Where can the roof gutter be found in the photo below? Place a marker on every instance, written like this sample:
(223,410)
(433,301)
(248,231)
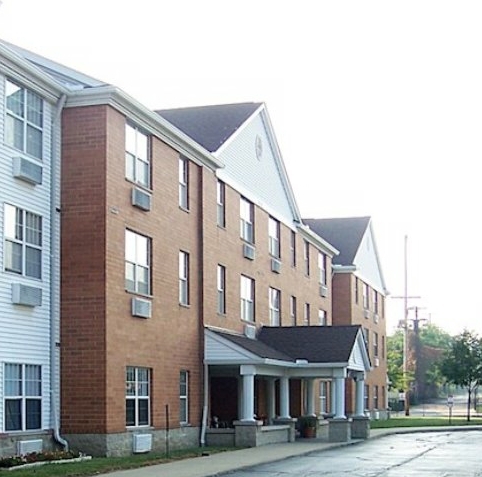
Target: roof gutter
(148,119)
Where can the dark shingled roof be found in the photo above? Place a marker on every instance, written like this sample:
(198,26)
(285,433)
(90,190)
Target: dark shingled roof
(345,234)
(210,126)
(316,344)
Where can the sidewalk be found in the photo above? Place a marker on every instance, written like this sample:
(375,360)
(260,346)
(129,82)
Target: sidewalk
(215,464)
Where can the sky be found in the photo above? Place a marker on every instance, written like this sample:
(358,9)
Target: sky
(376,106)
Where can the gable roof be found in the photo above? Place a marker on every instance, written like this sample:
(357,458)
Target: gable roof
(315,344)
(345,234)
(210,126)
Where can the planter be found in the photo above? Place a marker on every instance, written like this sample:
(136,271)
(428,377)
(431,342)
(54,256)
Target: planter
(308,432)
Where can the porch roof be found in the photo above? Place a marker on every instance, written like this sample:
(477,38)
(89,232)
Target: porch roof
(335,346)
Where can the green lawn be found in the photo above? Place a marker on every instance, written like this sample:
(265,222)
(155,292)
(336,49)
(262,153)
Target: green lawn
(103,465)
(424,422)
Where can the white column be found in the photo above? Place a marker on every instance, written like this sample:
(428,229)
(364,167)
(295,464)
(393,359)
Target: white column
(333,397)
(340,398)
(284,398)
(240,397)
(271,399)
(248,398)
(360,394)
(310,397)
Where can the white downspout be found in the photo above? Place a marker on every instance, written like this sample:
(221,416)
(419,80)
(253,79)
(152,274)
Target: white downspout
(205,406)
(54,276)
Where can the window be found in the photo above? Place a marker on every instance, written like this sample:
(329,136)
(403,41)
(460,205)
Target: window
(356,289)
(23,397)
(322,268)
(221,284)
(221,203)
(137,156)
(306,317)
(247,298)
(274,237)
(183,183)
(246,213)
(366,291)
(293,248)
(367,396)
(306,255)
(367,337)
(274,306)
(383,347)
(323,396)
(375,302)
(23,242)
(375,397)
(183,278)
(183,397)
(24,120)
(293,310)
(137,396)
(322,317)
(375,344)
(138,249)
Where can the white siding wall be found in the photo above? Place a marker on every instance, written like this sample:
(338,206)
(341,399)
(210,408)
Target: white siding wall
(259,178)
(25,331)
(366,261)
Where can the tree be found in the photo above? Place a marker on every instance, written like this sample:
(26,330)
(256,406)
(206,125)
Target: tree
(462,363)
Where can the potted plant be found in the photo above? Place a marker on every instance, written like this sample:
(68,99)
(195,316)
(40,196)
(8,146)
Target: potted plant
(307,426)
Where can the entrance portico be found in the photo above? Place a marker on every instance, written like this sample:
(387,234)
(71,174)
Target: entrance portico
(267,369)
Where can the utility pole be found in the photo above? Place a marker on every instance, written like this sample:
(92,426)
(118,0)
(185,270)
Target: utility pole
(405,298)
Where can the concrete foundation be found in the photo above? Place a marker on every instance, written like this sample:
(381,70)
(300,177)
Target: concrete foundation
(339,430)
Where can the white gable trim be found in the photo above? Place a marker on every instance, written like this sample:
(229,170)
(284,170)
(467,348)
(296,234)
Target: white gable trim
(359,359)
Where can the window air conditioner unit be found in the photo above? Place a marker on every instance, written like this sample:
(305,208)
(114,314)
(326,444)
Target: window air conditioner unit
(141,308)
(248,251)
(27,170)
(141,443)
(323,291)
(366,313)
(250,331)
(376,317)
(141,199)
(275,265)
(26,447)
(376,362)
(26,295)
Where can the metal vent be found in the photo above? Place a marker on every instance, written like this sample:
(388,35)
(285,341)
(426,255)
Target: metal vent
(26,295)
(141,199)
(26,447)
(141,443)
(27,170)
(275,265)
(141,308)
(323,291)
(248,251)
(250,331)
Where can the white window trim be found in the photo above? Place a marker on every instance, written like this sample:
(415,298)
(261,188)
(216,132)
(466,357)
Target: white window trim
(184,183)
(183,278)
(136,397)
(137,158)
(221,289)
(247,298)
(274,306)
(184,398)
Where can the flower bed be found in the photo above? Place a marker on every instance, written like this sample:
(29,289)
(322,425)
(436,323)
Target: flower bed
(39,458)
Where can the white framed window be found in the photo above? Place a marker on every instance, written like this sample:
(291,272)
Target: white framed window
(23,242)
(357,285)
(293,310)
(137,156)
(375,344)
(246,213)
(322,317)
(323,396)
(274,237)
(183,278)
(221,286)
(306,314)
(184,183)
(293,248)
(306,256)
(322,268)
(247,298)
(375,301)
(24,120)
(184,397)
(137,263)
(138,402)
(22,397)
(366,296)
(375,397)
(367,396)
(221,203)
(274,307)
